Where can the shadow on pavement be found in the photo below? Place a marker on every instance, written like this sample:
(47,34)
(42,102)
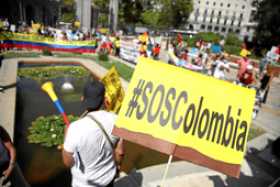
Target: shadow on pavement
(134,179)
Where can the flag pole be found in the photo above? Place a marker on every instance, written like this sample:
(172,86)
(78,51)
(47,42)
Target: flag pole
(166,170)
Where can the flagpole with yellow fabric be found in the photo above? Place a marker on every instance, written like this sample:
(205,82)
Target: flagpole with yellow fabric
(114,91)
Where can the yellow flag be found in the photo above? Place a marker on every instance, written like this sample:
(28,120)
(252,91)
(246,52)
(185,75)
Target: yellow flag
(114,90)
(35,27)
(244,53)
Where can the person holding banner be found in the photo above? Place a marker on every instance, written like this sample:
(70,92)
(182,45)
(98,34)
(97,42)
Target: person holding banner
(90,150)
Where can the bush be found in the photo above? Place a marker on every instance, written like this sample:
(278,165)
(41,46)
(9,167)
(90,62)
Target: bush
(48,131)
(103,54)
(208,37)
(231,49)
(232,39)
(47,52)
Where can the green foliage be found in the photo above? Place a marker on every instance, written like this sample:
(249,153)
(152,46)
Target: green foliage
(232,49)
(174,13)
(48,131)
(208,37)
(233,44)
(130,11)
(103,20)
(68,11)
(47,52)
(268,28)
(102,5)
(232,39)
(68,17)
(103,54)
(41,73)
(150,18)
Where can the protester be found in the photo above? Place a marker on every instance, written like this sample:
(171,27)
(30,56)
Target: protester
(7,156)
(221,66)
(248,78)
(117,45)
(90,150)
(156,51)
(243,63)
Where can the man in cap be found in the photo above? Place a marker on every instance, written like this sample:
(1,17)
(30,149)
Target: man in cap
(90,150)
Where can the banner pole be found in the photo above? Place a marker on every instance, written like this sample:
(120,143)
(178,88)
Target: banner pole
(166,170)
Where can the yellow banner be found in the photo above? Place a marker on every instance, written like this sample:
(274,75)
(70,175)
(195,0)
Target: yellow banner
(188,109)
(114,91)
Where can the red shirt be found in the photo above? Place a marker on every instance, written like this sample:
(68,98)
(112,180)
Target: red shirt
(247,78)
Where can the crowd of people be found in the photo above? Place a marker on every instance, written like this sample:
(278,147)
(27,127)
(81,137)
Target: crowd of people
(90,150)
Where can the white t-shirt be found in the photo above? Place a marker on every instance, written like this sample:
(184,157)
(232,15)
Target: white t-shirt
(219,72)
(93,155)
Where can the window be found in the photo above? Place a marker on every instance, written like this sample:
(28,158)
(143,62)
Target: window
(228,5)
(241,16)
(205,15)
(196,15)
(223,29)
(230,30)
(237,31)
(220,13)
(239,23)
(222,4)
(214,3)
(216,28)
(207,2)
(243,7)
(202,27)
(225,21)
(209,28)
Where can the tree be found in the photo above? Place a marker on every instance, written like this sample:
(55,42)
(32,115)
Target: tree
(102,5)
(130,11)
(268,29)
(174,13)
(150,18)
(68,11)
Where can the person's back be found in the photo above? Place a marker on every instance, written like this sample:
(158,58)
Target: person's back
(243,63)
(94,162)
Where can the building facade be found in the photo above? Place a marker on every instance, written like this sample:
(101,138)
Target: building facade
(223,17)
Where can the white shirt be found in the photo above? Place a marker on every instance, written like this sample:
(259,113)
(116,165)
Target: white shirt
(86,140)
(220,70)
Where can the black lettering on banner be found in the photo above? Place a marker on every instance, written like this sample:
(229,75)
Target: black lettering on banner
(171,94)
(158,103)
(240,143)
(145,99)
(197,115)
(160,90)
(201,132)
(235,130)
(176,124)
(216,117)
(187,127)
(133,103)
(229,124)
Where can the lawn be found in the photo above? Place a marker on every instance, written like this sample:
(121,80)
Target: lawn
(124,70)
